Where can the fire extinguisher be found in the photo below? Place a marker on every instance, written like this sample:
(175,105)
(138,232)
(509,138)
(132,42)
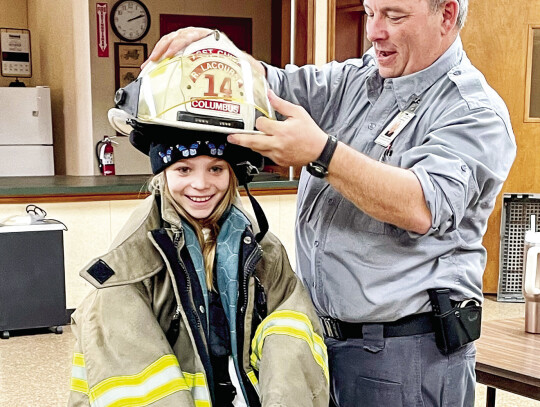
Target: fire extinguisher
(105,155)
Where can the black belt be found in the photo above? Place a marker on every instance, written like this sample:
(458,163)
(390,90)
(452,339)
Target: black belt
(410,325)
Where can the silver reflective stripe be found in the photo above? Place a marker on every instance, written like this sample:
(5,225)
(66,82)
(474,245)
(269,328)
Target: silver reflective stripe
(78,372)
(200,393)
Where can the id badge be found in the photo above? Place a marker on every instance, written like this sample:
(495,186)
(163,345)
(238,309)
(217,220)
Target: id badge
(395,127)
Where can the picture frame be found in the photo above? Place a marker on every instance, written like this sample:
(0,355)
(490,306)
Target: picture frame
(128,58)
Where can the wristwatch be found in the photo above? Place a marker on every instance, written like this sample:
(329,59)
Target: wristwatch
(319,167)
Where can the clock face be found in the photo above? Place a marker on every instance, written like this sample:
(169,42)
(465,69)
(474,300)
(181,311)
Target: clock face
(130,20)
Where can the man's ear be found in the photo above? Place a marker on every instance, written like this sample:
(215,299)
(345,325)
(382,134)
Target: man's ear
(450,10)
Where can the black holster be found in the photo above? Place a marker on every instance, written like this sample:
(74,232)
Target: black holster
(456,324)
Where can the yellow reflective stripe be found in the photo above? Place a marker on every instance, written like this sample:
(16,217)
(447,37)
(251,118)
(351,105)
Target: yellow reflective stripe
(254,381)
(79,385)
(78,359)
(156,394)
(199,389)
(291,323)
(158,366)
(157,381)
(78,374)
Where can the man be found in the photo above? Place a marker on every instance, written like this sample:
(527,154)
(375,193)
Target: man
(398,204)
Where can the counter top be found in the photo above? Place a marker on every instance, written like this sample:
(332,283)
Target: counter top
(62,188)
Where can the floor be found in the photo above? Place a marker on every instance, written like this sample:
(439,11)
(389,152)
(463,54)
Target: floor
(35,366)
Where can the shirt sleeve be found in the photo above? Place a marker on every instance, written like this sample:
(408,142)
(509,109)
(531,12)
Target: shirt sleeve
(462,164)
(309,86)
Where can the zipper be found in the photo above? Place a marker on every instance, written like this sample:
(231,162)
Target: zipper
(176,240)
(176,314)
(249,269)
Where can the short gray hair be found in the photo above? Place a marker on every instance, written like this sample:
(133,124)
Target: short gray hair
(462,13)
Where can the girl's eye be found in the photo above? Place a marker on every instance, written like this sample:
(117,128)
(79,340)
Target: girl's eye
(183,170)
(216,169)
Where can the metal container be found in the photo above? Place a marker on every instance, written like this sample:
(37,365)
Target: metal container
(531,279)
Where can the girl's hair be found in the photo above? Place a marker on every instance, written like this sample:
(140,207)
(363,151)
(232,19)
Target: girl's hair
(208,244)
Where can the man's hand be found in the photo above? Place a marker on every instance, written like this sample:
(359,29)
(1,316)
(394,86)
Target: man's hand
(176,41)
(296,141)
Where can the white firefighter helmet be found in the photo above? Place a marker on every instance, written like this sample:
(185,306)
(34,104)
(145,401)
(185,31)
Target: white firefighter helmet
(208,86)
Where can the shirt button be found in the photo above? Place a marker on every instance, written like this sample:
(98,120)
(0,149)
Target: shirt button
(316,243)
(331,201)
(457,73)
(463,168)
(371,126)
(201,308)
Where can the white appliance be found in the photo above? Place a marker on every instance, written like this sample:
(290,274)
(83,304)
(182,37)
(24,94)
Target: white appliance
(26,143)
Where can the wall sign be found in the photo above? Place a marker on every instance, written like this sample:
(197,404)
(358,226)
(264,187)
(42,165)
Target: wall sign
(102,19)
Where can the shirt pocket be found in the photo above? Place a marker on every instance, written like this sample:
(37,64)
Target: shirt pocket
(350,217)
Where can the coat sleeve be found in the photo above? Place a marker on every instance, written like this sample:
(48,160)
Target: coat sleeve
(288,347)
(122,355)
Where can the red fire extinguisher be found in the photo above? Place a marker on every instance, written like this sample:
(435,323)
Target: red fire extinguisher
(105,155)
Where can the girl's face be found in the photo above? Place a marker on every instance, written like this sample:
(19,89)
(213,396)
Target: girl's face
(198,184)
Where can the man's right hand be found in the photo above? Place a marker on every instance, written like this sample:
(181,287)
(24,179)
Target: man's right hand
(176,41)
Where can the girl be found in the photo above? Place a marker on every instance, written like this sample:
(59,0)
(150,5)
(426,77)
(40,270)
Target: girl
(195,304)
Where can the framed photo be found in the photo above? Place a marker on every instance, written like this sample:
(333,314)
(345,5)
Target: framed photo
(127,61)
(127,75)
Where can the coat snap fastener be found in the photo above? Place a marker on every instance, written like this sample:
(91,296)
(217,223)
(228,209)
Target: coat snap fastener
(247,240)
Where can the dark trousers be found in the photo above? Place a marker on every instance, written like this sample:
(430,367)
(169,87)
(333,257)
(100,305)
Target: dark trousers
(405,371)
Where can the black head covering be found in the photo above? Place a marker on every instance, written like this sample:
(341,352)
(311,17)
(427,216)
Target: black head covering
(165,145)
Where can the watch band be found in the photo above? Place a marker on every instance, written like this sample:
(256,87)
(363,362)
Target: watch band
(319,167)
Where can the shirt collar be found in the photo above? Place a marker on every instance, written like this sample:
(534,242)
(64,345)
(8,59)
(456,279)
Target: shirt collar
(411,86)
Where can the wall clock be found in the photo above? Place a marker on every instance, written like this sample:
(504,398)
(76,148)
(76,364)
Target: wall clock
(130,20)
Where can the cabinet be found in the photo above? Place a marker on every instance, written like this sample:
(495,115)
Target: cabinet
(32,286)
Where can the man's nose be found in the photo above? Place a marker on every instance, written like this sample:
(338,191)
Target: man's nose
(376,29)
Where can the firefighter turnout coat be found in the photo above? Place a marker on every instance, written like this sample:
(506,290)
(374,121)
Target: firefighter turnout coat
(141,336)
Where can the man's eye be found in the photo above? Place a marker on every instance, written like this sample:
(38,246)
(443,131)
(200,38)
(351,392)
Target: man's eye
(395,18)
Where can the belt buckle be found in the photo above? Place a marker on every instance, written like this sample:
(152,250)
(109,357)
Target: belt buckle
(331,328)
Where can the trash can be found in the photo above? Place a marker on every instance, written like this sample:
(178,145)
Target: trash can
(32,281)
(531,279)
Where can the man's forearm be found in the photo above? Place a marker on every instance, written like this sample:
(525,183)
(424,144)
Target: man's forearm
(389,194)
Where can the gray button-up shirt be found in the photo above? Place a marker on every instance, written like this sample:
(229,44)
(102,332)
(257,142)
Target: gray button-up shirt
(460,145)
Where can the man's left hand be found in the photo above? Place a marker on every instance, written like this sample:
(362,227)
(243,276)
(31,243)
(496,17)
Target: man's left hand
(296,141)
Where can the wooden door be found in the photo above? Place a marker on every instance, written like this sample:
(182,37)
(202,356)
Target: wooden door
(346,30)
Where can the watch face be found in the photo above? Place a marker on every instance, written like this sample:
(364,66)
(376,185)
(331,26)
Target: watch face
(317,170)
(130,20)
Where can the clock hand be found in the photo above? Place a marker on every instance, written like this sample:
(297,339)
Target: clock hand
(134,18)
